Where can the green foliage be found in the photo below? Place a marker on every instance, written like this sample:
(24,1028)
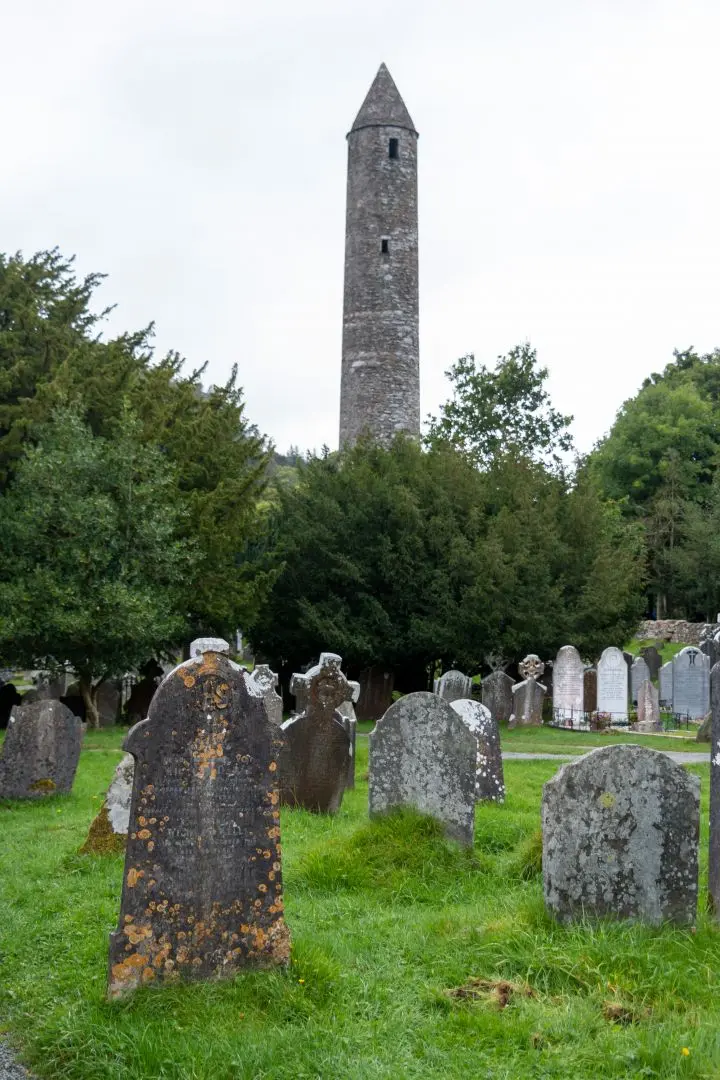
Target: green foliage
(402,557)
(91,554)
(505,410)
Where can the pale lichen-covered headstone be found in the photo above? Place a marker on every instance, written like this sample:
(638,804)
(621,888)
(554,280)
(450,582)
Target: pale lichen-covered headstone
(317,758)
(489,781)
(666,684)
(202,886)
(590,689)
(620,837)
(41,751)
(648,709)
(267,680)
(496,692)
(453,685)
(109,829)
(528,695)
(568,684)
(639,673)
(714,847)
(612,684)
(691,683)
(423,755)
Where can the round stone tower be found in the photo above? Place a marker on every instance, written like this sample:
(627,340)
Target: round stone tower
(380,385)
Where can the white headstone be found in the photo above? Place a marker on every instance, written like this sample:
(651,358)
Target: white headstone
(612,684)
(568,684)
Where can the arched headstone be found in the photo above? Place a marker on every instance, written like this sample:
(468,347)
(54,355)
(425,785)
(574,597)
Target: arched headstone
(612,684)
(41,751)
(691,683)
(453,685)
(489,781)
(568,684)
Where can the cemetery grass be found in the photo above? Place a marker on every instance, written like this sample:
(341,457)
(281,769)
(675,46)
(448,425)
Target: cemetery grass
(549,740)
(390,926)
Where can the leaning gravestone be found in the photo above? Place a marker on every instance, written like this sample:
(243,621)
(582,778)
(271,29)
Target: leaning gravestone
(528,695)
(568,684)
(691,684)
(423,755)
(109,830)
(666,684)
(620,837)
(453,686)
(639,673)
(266,681)
(714,848)
(612,684)
(316,760)
(648,709)
(202,887)
(41,751)
(590,690)
(653,659)
(489,779)
(496,692)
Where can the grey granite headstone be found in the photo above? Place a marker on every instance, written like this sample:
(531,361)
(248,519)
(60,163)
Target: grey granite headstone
(714,848)
(317,757)
(489,781)
(568,684)
(691,683)
(620,837)
(639,673)
(666,684)
(453,685)
(109,829)
(612,684)
(496,693)
(590,689)
(653,659)
(202,885)
(41,751)
(528,697)
(267,680)
(423,755)
(648,709)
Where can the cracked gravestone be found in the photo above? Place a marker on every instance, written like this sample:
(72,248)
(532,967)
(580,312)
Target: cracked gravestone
(424,755)
(489,778)
(202,885)
(41,751)
(317,756)
(620,837)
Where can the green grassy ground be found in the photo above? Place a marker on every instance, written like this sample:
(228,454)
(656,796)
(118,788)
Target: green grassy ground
(386,918)
(666,649)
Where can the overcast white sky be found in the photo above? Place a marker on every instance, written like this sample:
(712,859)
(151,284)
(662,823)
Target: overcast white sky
(195,151)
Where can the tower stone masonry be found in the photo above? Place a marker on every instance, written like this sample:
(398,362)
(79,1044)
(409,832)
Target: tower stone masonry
(380,384)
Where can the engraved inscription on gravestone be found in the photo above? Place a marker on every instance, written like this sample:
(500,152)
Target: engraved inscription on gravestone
(691,683)
(568,676)
(202,887)
(612,684)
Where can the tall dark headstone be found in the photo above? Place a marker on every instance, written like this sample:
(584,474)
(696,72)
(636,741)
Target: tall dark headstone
(496,693)
(316,759)
(653,659)
(453,686)
(590,683)
(41,751)
(202,888)
(376,693)
(714,851)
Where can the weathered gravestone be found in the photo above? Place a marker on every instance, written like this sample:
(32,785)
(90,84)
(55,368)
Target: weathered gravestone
(489,779)
(316,760)
(496,692)
(41,751)
(639,673)
(453,686)
(612,684)
(653,659)
(620,837)
(528,695)
(109,830)
(568,684)
(590,689)
(423,755)
(714,848)
(666,684)
(266,681)
(202,888)
(648,709)
(691,683)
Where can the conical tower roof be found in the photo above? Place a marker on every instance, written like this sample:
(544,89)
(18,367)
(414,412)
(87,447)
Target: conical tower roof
(383,106)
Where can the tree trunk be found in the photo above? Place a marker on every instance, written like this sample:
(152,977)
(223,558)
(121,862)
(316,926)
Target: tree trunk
(92,716)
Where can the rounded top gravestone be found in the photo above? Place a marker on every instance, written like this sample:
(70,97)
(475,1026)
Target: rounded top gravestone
(41,751)
(453,685)
(691,683)
(568,683)
(612,684)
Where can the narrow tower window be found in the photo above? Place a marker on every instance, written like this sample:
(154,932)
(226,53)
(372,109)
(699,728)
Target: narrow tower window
(393,149)
(385,246)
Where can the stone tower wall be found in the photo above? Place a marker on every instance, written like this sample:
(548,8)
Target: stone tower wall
(380,386)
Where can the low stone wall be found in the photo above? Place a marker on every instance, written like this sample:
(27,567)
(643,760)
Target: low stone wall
(675,630)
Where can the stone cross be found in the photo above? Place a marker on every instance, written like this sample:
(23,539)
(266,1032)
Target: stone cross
(620,837)
(423,755)
(489,780)
(317,757)
(41,751)
(528,695)
(202,885)
(267,680)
